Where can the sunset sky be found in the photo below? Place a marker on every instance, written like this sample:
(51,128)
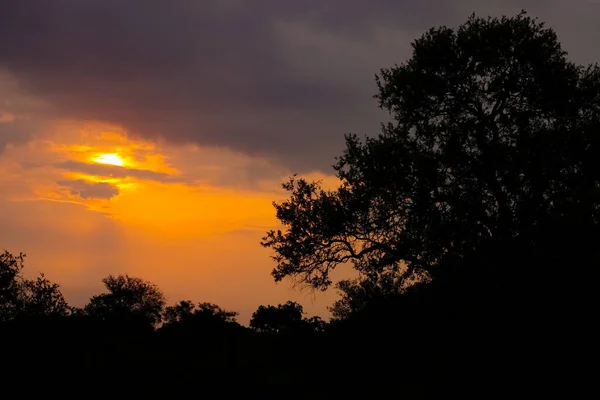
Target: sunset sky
(150,137)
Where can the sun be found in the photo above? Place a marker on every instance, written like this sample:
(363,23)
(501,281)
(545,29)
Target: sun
(110,158)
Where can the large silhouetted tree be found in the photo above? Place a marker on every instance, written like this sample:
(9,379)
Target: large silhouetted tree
(489,165)
(129,300)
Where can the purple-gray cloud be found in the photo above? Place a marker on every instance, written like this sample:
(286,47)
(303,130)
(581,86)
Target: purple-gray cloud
(90,190)
(14,131)
(276,78)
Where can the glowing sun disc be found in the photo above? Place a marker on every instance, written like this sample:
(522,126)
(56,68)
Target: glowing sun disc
(111,159)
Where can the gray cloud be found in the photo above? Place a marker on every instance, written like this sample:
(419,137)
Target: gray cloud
(14,131)
(16,125)
(90,190)
(276,78)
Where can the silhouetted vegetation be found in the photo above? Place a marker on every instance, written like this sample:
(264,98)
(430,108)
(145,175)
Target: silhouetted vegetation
(472,222)
(285,319)
(129,301)
(21,297)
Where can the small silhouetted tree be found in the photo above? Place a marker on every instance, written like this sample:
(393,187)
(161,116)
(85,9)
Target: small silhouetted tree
(487,173)
(204,323)
(26,298)
(41,297)
(10,287)
(275,319)
(129,301)
(314,324)
(286,317)
(202,315)
(180,312)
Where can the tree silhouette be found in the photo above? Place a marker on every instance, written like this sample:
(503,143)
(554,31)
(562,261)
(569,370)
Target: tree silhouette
(275,319)
(24,298)
(488,166)
(43,298)
(205,318)
(179,312)
(284,318)
(186,310)
(129,300)
(314,324)
(356,294)
(10,289)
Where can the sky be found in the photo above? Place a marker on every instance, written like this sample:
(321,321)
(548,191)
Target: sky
(150,137)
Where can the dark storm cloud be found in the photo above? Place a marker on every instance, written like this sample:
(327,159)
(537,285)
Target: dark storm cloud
(285,79)
(90,190)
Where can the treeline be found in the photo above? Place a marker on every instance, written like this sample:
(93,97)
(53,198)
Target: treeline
(129,330)
(390,340)
(132,304)
(384,338)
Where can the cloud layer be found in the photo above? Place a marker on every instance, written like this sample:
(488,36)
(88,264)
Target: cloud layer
(90,190)
(273,78)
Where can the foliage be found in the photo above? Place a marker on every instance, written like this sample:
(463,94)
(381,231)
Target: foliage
(10,288)
(128,299)
(284,318)
(356,294)
(314,324)
(201,318)
(21,297)
(179,312)
(274,319)
(492,151)
(43,298)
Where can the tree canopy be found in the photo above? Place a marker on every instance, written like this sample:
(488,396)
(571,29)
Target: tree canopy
(128,299)
(285,318)
(279,318)
(203,314)
(21,297)
(10,270)
(491,150)
(356,294)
